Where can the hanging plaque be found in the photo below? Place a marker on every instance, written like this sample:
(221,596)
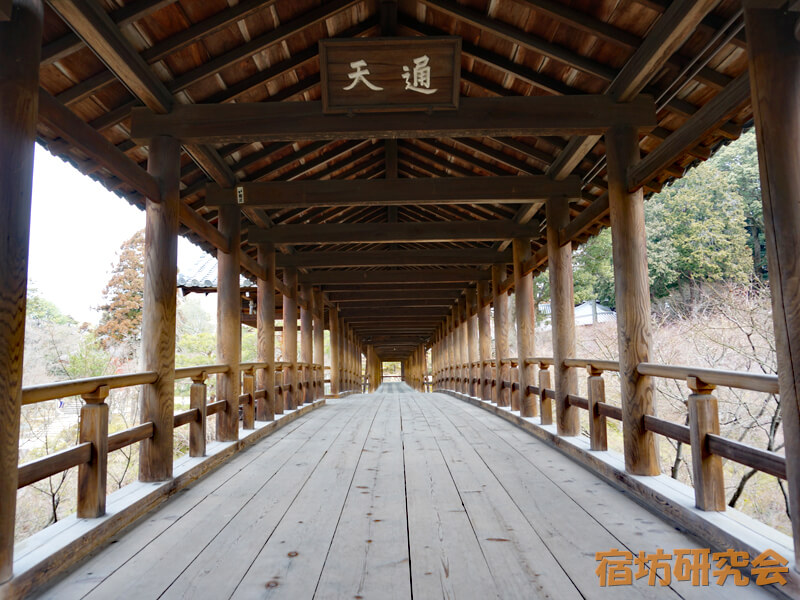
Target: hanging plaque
(390,74)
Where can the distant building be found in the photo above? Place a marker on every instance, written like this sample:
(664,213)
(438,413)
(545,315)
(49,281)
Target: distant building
(588,313)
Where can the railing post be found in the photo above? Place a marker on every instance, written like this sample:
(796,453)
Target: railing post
(545,405)
(504,395)
(229,324)
(265,331)
(20,49)
(709,480)
(249,410)
(774,59)
(197,429)
(280,402)
(157,400)
(632,287)
(92,475)
(526,323)
(598,432)
(513,377)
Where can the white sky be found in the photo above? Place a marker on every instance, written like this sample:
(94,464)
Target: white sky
(77,227)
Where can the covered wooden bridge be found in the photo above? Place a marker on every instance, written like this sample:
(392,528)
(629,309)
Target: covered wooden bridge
(391,171)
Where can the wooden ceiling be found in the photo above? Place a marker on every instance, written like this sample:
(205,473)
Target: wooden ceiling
(689,55)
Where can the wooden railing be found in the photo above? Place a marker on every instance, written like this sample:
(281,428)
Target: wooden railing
(497,382)
(305,381)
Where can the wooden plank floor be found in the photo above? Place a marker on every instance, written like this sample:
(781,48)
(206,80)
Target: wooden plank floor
(390,495)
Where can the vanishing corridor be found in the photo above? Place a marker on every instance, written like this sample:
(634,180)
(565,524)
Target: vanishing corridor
(395,494)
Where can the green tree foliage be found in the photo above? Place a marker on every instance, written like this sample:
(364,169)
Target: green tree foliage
(697,232)
(594,271)
(41,310)
(122,314)
(738,161)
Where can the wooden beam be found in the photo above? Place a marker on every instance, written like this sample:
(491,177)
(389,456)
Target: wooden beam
(516,36)
(667,35)
(5,10)
(377,295)
(588,216)
(697,127)
(395,276)
(394,303)
(389,233)
(394,258)
(94,26)
(283,121)
(385,192)
(125,15)
(432,311)
(68,126)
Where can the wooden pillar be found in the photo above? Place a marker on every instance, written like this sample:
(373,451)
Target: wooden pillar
(500,301)
(562,310)
(20,45)
(265,328)
(157,400)
(774,57)
(473,372)
(333,320)
(319,344)
(526,322)
(306,340)
(351,362)
(484,341)
(229,324)
(423,365)
(463,346)
(632,287)
(289,338)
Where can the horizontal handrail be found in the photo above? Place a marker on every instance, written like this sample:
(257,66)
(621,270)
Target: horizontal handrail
(600,365)
(76,387)
(756,382)
(192,372)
